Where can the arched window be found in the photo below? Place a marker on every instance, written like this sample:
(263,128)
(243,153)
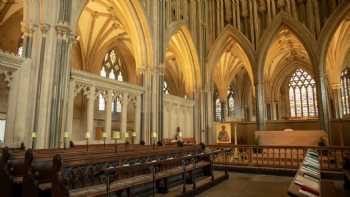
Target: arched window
(231,101)
(111,69)
(302,95)
(165,87)
(101,103)
(218,110)
(20,47)
(345,91)
(111,66)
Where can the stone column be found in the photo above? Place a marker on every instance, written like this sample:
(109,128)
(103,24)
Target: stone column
(260,106)
(70,108)
(90,112)
(108,114)
(138,118)
(124,123)
(336,95)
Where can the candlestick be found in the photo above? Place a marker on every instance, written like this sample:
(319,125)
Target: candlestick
(87,135)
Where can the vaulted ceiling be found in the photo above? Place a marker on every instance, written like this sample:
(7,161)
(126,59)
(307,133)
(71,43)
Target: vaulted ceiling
(286,50)
(182,71)
(338,50)
(100,27)
(232,61)
(9,7)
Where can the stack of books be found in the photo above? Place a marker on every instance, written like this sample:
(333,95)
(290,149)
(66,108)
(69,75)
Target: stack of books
(308,177)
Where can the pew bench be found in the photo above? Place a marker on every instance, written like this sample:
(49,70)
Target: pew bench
(126,177)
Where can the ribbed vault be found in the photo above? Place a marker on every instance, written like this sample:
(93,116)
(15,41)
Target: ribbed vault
(106,24)
(337,51)
(232,61)
(286,47)
(182,72)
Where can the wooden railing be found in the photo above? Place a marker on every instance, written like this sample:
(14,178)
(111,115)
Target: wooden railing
(289,157)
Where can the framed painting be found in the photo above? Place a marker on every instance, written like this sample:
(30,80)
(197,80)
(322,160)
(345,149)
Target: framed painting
(223,133)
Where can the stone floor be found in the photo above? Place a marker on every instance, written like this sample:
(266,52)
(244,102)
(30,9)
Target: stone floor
(250,185)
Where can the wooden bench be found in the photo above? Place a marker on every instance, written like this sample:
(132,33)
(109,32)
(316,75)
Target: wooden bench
(14,167)
(346,170)
(67,182)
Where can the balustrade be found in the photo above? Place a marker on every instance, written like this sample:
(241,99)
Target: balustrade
(288,157)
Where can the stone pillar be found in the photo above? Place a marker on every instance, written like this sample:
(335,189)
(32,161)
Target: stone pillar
(108,114)
(124,123)
(337,104)
(260,106)
(90,112)
(138,119)
(70,108)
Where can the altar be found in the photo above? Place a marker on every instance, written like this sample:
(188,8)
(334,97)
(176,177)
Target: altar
(290,137)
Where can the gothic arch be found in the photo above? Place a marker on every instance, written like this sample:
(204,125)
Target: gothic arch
(299,30)
(220,45)
(182,52)
(131,15)
(243,56)
(328,37)
(285,73)
(173,28)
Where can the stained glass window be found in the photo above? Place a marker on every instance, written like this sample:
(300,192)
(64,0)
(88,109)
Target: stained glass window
(302,95)
(345,91)
(231,101)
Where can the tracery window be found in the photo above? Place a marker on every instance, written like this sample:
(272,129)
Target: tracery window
(231,101)
(111,66)
(345,91)
(111,69)
(302,95)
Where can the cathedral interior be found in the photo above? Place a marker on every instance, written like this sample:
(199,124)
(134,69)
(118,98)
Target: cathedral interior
(260,87)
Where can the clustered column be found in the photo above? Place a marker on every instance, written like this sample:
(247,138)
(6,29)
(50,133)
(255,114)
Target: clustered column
(124,123)
(108,114)
(90,110)
(336,94)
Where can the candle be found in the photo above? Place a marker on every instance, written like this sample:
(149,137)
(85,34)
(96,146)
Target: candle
(154,134)
(34,135)
(66,134)
(126,134)
(134,134)
(104,135)
(87,136)
(116,135)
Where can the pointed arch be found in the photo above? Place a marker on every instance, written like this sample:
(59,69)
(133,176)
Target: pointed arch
(130,15)
(298,30)
(233,51)
(182,62)
(335,41)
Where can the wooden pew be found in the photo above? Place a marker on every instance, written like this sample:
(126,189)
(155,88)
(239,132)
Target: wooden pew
(14,167)
(347,172)
(67,182)
(38,177)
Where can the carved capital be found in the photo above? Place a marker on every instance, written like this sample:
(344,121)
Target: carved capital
(63,32)
(44,28)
